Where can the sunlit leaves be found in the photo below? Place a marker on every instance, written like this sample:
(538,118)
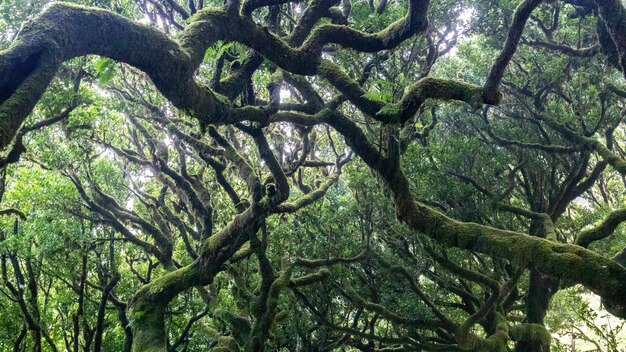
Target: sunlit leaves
(105,69)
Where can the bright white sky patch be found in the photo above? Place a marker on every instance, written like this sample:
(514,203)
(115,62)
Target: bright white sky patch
(284,94)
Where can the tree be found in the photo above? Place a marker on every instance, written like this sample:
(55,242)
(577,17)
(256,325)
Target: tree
(489,135)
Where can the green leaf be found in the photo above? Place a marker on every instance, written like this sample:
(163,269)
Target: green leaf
(105,68)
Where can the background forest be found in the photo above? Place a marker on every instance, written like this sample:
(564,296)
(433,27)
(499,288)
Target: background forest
(314,175)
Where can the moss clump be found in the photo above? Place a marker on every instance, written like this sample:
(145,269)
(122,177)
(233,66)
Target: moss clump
(148,328)
(534,333)
(147,309)
(228,342)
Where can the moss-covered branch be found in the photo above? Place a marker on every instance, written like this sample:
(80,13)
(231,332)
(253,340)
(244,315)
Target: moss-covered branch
(601,275)
(585,142)
(309,198)
(148,306)
(603,229)
(567,50)
(469,341)
(613,15)
(64,31)
(549,229)
(533,333)
(415,96)
(316,263)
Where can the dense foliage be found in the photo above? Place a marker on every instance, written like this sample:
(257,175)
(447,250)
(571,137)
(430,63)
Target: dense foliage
(406,175)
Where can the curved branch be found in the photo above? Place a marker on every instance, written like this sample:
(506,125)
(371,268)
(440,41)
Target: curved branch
(522,13)
(417,94)
(13,211)
(564,49)
(602,230)
(601,275)
(308,198)
(65,31)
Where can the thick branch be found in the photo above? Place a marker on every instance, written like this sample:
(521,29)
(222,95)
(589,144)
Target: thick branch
(522,13)
(602,230)
(601,275)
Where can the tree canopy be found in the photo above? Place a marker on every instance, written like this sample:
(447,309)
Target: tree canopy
(312,175)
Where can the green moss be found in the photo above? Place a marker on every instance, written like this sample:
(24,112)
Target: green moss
(147,308)
(23,94)
(348,87)
(281,316)
(531,333)
(228,342)
(497,342)
(239,324)
(148,328)
(616,162)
